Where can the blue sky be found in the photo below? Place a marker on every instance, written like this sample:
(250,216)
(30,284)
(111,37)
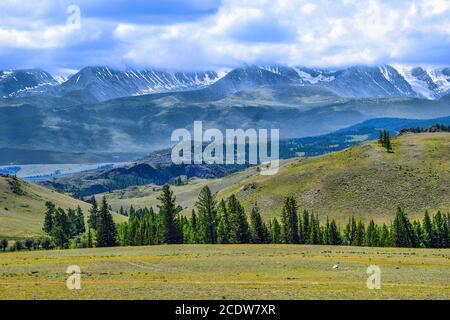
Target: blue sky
(213,34)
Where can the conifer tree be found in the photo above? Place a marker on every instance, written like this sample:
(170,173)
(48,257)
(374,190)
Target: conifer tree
(89,239)
(427,229)
(359,234)
(371,239)
(315,236)
(275,229)
(207,214)
(49,217)
(306,230)
(440,232)
(401,230)
(335,237)
(80,226)
(384,236)
(168,215)
(194,228)
(350,232)
(257,227)
(327,234)
(290,221)
(73,223)
(60,231)
(224,226)
(93,214)
(418,234)
(106,228)
(240,232)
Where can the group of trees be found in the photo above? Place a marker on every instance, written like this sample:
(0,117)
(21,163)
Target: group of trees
(69,227)
(211,222)
(62,226)
(434,128)
(226,222)
(101,221)
(385,140)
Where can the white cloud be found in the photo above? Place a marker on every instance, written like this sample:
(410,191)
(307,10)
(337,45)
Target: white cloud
(337,33)
(296,32)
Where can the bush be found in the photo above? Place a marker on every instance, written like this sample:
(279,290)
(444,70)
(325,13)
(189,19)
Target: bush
(36,244)
(29,243)
(4,244)
(46,243)
(18,245)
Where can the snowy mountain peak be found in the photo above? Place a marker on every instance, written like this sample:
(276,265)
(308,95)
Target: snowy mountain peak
(106,83)
(428,83)
(17,82)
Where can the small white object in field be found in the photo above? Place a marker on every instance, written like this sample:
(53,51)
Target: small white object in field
(336,266)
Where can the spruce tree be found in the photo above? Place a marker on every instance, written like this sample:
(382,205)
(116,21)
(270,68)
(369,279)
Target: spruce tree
(73,222)
(327,233)
(306,230)
(289,219)
(384,236)
(350,232)
(371,238)
(49,217)
(240,232)
(224,226)
(60,231)
(80,226)
(276,236)
(207,214)
(427,229)
(315,236)
(440,232)
(93,214)
(89,239)
(106,228)
(335,237)
(194,228)
(168,215)
(257,227)
(401,230)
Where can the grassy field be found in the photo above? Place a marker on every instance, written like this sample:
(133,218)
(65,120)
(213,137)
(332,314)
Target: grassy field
(22,215)
(227,272)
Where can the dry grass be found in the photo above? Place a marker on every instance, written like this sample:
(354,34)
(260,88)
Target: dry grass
(227,272)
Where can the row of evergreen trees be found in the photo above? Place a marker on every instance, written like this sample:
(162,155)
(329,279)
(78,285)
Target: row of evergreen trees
(226,222)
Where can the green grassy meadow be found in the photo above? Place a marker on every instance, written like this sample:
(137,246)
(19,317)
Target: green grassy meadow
(227,272)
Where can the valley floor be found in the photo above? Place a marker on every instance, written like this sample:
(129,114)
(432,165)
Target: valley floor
(227,272)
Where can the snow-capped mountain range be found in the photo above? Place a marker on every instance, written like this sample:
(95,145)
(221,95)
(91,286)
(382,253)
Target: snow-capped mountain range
(105,83)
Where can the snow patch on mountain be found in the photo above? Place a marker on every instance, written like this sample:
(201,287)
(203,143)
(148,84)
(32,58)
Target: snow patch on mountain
(422,82)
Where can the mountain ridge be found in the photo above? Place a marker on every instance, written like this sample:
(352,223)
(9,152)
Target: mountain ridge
(357,81)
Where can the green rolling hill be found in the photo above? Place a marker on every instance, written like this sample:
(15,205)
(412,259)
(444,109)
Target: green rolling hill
(364,181)
(22,207)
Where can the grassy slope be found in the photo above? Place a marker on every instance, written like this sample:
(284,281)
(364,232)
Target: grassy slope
(23,215)
(227,272)
(364,181)
(146,196)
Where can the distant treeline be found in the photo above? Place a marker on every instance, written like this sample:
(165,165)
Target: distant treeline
(226,222)
(433,128)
